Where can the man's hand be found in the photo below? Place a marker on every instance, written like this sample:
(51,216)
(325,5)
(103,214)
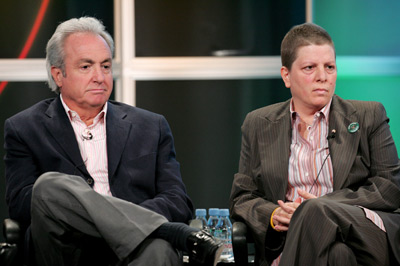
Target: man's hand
(283,214)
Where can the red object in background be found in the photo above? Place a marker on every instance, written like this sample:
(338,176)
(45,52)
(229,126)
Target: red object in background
(31,37)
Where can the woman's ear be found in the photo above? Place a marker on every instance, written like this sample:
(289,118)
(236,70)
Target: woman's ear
(285,74)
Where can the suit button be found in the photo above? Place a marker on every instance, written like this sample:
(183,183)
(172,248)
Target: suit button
(89,181)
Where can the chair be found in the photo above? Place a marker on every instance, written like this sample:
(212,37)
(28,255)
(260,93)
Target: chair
(242,244)
(9,249)
(13,237)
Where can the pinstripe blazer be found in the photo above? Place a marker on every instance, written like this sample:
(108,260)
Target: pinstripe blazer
(366,168)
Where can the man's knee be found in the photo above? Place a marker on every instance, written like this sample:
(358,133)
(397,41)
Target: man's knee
(53,184)
(45,182)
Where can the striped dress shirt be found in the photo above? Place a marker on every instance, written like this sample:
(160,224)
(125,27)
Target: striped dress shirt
(310,166)
(93,150)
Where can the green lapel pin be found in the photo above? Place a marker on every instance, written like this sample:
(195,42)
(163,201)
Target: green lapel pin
(353,127)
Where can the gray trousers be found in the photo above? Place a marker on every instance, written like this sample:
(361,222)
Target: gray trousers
(324,232)
(74,225)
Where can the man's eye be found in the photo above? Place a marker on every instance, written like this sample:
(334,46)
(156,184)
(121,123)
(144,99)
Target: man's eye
(85,67)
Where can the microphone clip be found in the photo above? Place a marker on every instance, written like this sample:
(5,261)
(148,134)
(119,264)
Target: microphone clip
(332,135)
(87,135)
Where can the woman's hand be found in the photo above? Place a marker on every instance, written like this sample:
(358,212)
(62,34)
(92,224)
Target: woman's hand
(284,212)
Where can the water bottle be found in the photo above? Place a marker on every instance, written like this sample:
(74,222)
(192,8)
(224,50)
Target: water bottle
(224,234)
(201,215)
(213,220)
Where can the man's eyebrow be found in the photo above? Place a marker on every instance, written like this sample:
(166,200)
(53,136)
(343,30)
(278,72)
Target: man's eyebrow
(90,61)
(86,60)
(108,60)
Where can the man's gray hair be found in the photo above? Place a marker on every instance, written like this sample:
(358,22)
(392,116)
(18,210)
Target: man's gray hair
(55,46)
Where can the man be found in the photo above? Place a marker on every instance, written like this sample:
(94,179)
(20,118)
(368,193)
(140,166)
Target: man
(319,176)
(96,182)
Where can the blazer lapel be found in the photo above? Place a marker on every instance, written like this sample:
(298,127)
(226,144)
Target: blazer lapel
(343,148)
(275,149)
(118,131)
(60,128)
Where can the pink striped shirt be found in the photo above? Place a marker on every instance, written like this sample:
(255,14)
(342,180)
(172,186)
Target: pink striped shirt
(310,166)
(94,150)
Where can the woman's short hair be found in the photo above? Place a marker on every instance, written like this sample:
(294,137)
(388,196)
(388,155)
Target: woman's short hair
(299,36)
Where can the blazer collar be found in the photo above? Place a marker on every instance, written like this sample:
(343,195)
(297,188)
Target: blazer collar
(118,129)
(61,129)
(59,126)
(279,134)
(343,148)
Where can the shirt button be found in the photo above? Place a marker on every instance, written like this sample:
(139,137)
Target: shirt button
(89,181)
(306,174)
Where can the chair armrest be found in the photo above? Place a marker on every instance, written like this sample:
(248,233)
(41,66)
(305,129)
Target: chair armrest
(239,243)
(12,231)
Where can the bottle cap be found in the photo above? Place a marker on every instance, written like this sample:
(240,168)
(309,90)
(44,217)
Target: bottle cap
(213,212)
(201,212)
(224,212)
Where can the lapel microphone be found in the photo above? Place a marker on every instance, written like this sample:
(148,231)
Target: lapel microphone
(87,135)
(332,135)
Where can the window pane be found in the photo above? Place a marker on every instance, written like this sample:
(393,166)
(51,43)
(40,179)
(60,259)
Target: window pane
(16,30)
(361,27)
(205,117)
(209,27)
(384,89)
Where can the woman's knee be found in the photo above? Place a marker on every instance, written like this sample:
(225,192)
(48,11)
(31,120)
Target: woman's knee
(340,254)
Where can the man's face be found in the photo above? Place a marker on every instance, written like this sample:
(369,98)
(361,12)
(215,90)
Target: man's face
(88,80)
(312,78)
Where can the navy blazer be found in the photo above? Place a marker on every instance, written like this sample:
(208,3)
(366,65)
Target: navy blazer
(142,167)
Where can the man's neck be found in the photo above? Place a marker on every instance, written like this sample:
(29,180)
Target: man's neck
(86,114)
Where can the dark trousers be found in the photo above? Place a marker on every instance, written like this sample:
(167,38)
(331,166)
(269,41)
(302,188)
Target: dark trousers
(324,232)
(74,225)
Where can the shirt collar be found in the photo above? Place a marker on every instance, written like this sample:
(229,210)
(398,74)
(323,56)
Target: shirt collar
(73,115)
(324,112)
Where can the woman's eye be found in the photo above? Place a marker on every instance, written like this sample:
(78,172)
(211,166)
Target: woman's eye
(331,68)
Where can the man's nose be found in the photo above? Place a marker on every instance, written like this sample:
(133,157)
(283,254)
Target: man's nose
(98,74)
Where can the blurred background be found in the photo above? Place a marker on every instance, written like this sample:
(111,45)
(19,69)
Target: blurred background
(203,64)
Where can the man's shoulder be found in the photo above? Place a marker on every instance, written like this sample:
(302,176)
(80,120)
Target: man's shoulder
(33,111)
(132,112)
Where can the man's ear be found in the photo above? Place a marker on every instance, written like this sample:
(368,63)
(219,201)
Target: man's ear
(285,74)
(57,75)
